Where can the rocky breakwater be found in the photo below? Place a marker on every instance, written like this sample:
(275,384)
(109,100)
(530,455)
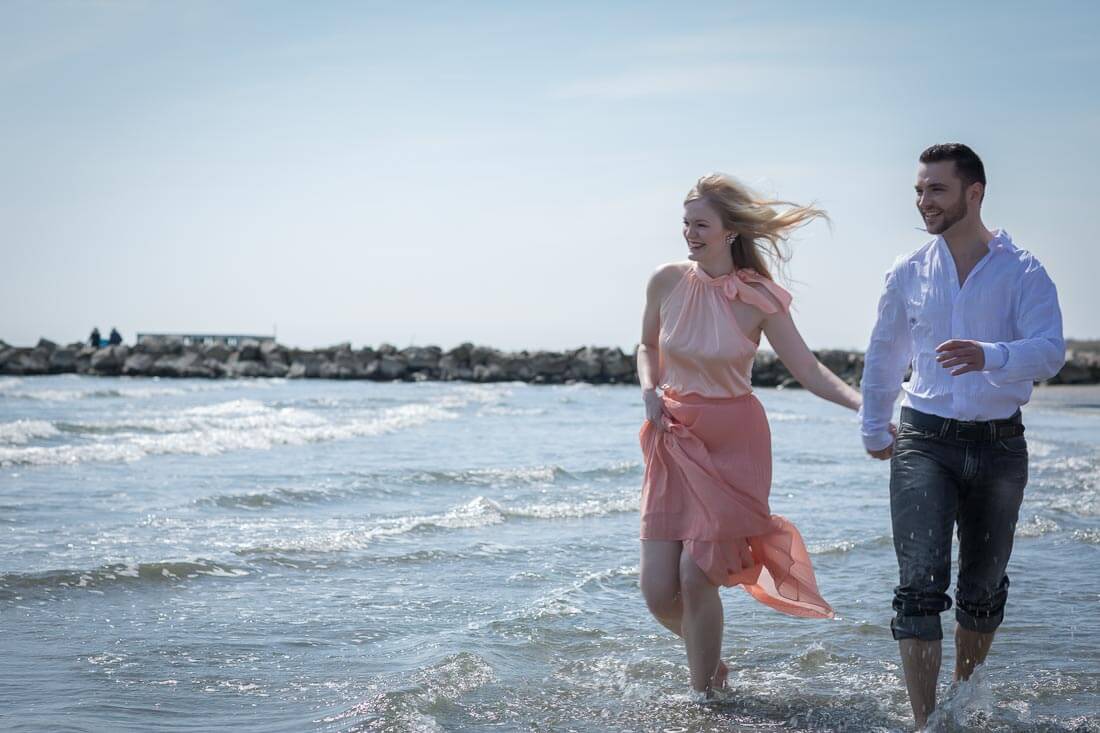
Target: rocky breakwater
(172,358)
(466,362)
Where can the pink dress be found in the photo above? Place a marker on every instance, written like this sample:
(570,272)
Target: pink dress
(708,477)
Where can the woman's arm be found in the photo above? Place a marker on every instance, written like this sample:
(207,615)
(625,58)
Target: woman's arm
(651,332)
(648,359)
(803,365)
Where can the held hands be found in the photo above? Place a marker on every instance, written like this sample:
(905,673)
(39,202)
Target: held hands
(966,355)
(886,453)
(654,408)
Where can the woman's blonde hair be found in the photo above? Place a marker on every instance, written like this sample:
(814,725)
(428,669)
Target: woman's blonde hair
(761,229)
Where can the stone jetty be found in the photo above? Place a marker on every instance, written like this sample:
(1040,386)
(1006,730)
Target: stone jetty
(165,357)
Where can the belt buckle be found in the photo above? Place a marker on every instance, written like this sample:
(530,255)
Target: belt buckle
(971,431)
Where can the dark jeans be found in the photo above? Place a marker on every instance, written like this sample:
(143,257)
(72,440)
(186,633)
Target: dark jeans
(945,473)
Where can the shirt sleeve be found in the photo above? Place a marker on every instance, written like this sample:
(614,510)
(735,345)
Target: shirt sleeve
(996,355)
(1038,350)
(888,355)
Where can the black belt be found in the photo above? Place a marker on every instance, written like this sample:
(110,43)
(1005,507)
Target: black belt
(984,431)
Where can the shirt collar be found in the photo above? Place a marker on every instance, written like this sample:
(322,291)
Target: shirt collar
(1001,240)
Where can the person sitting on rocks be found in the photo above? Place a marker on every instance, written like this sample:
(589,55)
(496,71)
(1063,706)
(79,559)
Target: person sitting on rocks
(93,339)
(116,337)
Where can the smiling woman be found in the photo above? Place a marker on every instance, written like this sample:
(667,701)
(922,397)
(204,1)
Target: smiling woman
(755,229)
(706,520)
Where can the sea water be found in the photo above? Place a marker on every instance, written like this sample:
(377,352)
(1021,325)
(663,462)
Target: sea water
(270,555)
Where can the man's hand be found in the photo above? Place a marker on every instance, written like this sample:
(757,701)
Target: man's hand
(961,356)
(886,453)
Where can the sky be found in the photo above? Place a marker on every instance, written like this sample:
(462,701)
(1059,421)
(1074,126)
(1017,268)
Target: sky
(505,173)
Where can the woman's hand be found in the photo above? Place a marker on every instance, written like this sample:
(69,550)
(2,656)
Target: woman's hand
(654,408)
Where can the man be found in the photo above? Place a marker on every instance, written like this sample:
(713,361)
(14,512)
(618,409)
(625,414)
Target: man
(979,321)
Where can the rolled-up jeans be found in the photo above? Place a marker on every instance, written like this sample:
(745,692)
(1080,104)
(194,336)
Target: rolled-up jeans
(946,473)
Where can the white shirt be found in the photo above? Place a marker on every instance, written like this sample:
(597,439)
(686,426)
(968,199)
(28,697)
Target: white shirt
(1008,304)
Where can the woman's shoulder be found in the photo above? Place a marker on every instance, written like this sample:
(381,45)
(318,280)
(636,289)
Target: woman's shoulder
(665,278)
(670,272)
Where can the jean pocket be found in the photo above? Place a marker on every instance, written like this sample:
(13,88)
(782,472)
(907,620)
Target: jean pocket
(1016,446)
(912,432)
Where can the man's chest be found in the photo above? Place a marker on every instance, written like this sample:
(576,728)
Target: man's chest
(935,299)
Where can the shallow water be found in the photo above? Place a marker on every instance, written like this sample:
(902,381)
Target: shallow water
(352,556)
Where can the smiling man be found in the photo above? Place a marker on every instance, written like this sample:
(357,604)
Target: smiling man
(979,321)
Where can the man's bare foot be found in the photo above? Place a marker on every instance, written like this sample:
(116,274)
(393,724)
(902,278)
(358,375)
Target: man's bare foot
(721,673)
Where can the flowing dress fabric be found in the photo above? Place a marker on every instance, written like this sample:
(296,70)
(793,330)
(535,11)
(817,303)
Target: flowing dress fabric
(708,476)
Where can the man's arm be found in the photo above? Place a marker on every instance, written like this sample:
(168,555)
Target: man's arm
(884,364)
(1039,350)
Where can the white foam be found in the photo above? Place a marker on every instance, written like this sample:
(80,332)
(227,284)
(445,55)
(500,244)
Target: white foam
(1036,527)
(1091,536)
(830,548)
(627,502)
(21,432)
(780,416)
(496,411)
(71,395)
(478,512)
(500,476)
(123,388)
(210,430)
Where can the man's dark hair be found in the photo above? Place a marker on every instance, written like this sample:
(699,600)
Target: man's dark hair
(968,165)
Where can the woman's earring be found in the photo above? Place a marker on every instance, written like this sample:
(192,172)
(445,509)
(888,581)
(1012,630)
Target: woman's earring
(730,239)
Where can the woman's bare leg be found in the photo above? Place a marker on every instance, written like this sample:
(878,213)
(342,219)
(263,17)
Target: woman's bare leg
(660,581)
(701,623)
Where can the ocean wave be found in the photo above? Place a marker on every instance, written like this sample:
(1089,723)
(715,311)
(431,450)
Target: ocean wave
(1089,536)
(406,698)
(388,484)
(475,513)
(1036,527)
(577,509)
(21,432)
(431,556)
(812,459)
(11,584)
(478,512)
(215,429)
(120,388)
(610,470)
(504,411)
(783,416)
(839,547)
(466,394)
(531,475)
(67,395)
(266,499)
(1080,503)
(492,476)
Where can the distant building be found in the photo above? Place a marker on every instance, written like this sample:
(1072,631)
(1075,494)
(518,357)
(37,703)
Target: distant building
(204,339)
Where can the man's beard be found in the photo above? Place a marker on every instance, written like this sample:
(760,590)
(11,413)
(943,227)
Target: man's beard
(950,217)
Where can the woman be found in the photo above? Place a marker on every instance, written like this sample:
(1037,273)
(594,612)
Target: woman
(705,516)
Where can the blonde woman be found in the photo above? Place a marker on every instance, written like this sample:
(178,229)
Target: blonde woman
(705,516)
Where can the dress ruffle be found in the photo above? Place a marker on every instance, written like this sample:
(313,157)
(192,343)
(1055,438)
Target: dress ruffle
(707,480)
(735,287)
